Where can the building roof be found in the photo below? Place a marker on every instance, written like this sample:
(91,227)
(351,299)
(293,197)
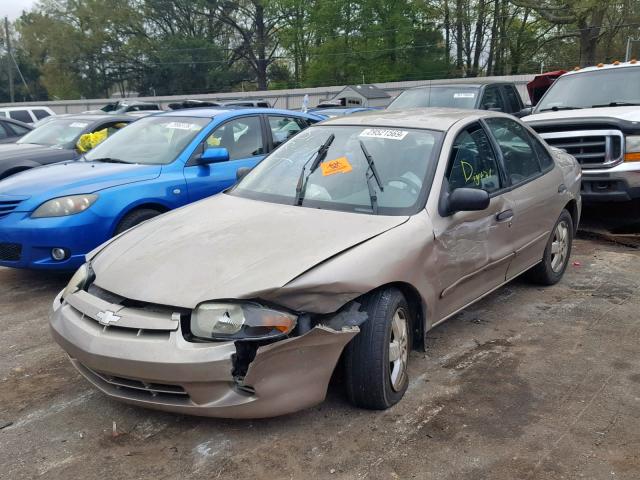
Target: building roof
(367,91)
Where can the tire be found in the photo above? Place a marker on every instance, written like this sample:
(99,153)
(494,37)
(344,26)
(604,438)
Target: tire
(134,218)
(554,263)
(369,373)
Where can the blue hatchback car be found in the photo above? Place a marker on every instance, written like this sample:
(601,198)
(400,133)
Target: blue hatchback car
(51,216)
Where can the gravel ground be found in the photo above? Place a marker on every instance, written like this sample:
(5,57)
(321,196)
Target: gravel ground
(530,383)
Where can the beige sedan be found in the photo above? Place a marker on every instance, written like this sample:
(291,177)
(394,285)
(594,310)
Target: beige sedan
(359,234)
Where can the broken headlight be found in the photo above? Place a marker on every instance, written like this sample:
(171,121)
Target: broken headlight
(240,321)
(80,280)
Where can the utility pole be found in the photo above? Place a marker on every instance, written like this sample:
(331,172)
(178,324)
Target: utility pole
(9,57)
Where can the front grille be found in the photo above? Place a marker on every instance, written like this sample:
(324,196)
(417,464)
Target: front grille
(592,148)
(135,388)
(10,252)
(8,206)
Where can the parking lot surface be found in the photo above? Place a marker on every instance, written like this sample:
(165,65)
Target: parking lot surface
(530,383)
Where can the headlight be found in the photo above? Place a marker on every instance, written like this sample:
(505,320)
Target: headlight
(63,206)
(79,280)
(239,321)
(632,150)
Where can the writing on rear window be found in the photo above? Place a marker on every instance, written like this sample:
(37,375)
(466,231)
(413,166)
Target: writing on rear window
(390,134)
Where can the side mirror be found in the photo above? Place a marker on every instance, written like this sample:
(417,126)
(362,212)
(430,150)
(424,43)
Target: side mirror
(524,112)
(214,155)
(241,172)
(467,200)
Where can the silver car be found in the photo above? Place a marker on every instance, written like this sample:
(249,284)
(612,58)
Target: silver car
(358,235)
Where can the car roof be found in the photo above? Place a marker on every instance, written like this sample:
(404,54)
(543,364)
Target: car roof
(424,118)
(475,84)
(25,107)
(601,67)
(212,112)
(96,117)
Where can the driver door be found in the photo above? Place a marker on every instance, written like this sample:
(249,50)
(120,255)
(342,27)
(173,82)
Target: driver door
(244,139)
(472,249)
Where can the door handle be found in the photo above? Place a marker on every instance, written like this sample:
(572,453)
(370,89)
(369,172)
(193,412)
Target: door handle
(504,216)
(562,188)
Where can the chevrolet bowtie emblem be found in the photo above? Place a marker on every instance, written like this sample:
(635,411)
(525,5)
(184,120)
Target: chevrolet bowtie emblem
(107,318)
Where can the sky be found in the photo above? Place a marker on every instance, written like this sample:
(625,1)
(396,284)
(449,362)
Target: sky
(13,8)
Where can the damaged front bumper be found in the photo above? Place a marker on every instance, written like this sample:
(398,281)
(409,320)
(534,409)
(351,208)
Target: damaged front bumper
(146,361)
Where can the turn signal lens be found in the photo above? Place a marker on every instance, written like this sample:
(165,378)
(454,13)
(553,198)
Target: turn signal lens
(632,148)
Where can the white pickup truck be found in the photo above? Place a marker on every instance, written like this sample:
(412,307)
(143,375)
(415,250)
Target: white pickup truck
(594,114)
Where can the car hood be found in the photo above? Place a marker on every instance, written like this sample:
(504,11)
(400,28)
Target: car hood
(624,113)
(30,151)
(227,247)
(76,177)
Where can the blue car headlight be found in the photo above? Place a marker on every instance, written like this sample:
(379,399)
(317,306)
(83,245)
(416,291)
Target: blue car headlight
(64,206)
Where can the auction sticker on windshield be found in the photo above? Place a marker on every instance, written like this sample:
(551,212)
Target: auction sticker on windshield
(78,125)
(181,126)
(339,165)
(386,133)
(464,95)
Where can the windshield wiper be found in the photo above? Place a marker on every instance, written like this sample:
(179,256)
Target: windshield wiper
(317,157)
(108,160)
(374,174)
(557,108)
(616,103)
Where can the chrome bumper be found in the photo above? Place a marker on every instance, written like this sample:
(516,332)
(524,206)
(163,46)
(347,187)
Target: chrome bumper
(158,368)
(619,183)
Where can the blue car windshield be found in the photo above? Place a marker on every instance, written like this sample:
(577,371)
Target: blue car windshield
(151,140)
(56,132)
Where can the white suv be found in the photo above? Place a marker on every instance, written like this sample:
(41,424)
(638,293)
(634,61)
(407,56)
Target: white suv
(26,114)
(594,114)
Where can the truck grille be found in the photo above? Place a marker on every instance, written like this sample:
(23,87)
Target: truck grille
(592,148)
(10,252)
(8,206)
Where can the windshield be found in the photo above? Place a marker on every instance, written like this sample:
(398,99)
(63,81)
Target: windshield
(588,89)
(150,140)
(402,158)
(56,132)
(441,96)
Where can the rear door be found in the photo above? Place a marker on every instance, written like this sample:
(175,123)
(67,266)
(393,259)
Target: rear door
(534,190)
(244,138)
(472,249)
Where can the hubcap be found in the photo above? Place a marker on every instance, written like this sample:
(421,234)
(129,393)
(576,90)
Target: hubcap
(559,246)
(398,349)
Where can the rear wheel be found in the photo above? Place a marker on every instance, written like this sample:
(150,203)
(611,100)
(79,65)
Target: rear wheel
(376,359)
(134,218)
(556,254)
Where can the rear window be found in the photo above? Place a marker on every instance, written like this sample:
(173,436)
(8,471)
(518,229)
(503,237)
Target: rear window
(441,96)
(21,115)
(40,114)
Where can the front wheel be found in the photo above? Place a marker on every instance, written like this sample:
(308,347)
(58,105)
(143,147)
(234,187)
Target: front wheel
(556,255)
(134,218)
(376,359)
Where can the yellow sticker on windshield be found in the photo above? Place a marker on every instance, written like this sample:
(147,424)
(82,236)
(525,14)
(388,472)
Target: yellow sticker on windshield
(339,165)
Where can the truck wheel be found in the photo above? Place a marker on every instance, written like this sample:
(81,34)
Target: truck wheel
(556,255)
(134,218)
(376,374)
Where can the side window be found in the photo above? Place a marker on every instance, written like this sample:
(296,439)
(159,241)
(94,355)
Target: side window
(544,157)
(513,99)
(242,137)
(3,132)
(40,114)
(17,129)
(473,162)
(492,99)
(283,128)
(520,160)
(21,115)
